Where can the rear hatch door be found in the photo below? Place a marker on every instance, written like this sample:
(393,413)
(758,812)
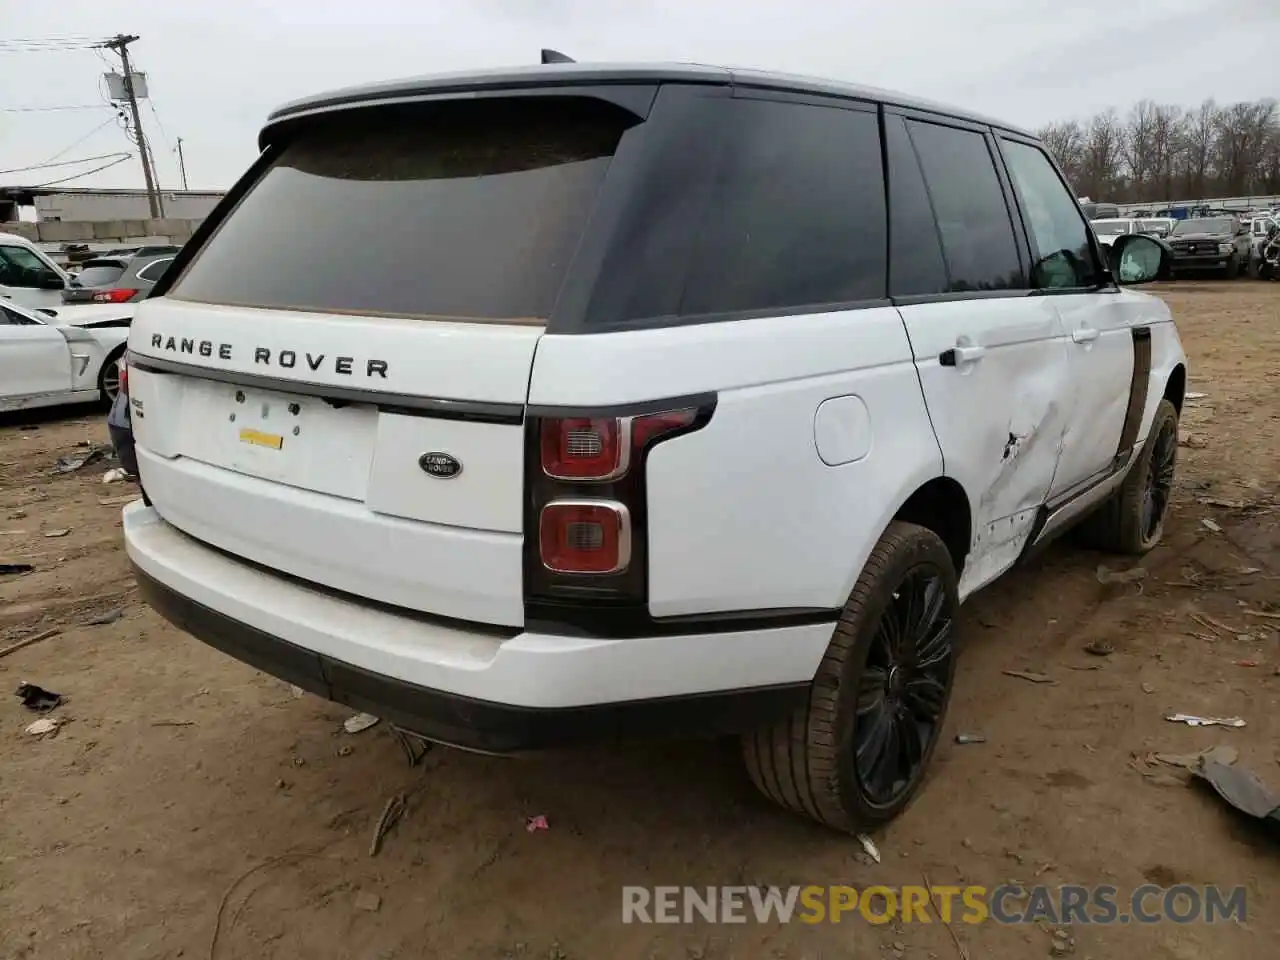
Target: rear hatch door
(334,386)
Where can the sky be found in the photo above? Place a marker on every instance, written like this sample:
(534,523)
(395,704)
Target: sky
(215,69)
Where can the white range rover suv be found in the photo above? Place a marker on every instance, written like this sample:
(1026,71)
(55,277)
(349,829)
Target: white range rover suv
(576,402)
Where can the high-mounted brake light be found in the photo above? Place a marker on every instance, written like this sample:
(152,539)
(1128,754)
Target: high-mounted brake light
(585,536)
(118,295)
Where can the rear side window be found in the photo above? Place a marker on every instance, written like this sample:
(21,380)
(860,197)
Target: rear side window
(460,211)
(100,273)
(154,270)
(973,219)
(796,215)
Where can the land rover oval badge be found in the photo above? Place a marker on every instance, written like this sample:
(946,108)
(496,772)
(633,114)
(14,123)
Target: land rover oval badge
(440,465)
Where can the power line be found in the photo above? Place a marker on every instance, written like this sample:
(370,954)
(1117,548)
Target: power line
(7,46)
(69,163)
(77,176)
(55,108)
(48,161)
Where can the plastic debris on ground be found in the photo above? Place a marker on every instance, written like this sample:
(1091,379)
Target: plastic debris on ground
(1107,575)
(1194,721)
(964,738)
(12,569)
(43,726)
(1242,789)
(1189,761)
(70,463)
(1210,525)
(359,723)
(869,846)
(37,698)
(111,616)
(116,475)
(1032,675)
(391,814)
(369,902)
(1100,648)
(534,824)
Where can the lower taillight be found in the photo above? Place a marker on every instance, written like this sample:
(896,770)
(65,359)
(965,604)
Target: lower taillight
(124,376)
(584,536)
(119,295)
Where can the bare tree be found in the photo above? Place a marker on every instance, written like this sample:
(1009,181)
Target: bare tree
(1160,152)
(1243,129)
(1138,147)
(1164,145)
(1199,133)
(1066,142)
(1100,172)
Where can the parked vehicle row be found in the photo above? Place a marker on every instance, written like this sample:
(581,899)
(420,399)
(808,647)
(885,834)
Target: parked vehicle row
(29,277)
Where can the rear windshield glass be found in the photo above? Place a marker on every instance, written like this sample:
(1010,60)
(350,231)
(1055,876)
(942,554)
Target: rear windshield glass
(466,211)
(100,274)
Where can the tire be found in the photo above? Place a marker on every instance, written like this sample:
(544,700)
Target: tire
(1121,524)
(109,376)
(1232,269)
(809,762)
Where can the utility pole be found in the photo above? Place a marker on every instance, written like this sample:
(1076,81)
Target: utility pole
(182,165)
(120,44)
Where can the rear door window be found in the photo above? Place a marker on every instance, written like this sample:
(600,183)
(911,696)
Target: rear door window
(915,258)
(459,211)
(978,241)
(796,216)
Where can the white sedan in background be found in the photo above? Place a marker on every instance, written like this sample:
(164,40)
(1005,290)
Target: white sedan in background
(1107,230)
(61,354)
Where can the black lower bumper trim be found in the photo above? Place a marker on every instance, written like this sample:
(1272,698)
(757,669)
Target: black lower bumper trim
(464,721)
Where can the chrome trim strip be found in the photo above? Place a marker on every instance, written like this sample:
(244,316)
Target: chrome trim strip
(403,403)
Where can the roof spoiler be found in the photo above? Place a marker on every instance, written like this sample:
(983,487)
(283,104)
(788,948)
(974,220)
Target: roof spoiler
(555,56)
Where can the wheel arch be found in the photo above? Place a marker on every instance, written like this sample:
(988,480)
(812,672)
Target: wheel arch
(1175,388)
(941,505)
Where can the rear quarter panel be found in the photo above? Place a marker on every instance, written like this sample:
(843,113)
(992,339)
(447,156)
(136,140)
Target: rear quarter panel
(745,514)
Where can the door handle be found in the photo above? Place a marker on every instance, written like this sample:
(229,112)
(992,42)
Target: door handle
(1084,335)
(961,356)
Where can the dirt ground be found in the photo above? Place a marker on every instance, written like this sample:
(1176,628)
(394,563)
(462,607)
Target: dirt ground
(192,807)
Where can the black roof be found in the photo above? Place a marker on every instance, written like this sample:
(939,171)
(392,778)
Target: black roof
(575,74)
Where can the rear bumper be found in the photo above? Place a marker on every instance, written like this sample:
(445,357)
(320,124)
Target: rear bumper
(472,688)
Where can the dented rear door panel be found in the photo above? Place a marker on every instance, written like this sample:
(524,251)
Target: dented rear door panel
(999,413)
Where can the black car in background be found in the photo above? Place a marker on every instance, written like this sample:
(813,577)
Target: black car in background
(1211,243)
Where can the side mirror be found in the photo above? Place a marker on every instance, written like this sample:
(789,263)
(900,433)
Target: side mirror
(50,281)
(1139,258)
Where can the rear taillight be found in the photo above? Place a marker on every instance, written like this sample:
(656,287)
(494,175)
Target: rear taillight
(586,514)
(584,536)
(124,377)
(119,295)
(580,448)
